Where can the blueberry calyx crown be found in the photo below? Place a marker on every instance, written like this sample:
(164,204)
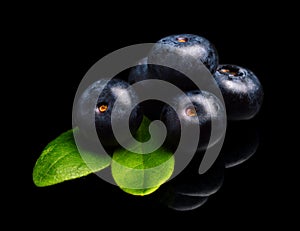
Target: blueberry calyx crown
(191,111)
(231,71)
(182,39)
(103,107)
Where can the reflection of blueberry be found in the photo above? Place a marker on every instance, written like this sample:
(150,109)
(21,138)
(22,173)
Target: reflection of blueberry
(180,202)
(204,109)
(241,89)
(107,92)
(241,142)
(191,183)
(189,190)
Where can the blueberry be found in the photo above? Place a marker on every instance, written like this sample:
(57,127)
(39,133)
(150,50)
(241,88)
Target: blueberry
(151,108)
(242,91)
(177,48)
(204,109)
(106,92)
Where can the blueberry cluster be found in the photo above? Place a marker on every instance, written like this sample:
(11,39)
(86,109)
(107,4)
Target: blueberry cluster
(241,90)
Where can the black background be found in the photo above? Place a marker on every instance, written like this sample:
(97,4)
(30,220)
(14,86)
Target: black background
(59,50)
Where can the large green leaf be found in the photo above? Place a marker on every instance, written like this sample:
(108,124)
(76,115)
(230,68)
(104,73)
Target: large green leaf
(61,161)
(141,174)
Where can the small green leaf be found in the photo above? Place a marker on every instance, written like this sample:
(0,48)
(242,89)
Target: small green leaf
(141,174)
(61,161)
(142,133)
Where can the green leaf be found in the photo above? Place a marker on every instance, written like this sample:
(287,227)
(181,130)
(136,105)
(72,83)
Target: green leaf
(141,174)
(61,161)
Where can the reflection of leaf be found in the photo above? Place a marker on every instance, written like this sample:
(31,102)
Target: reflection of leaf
(142,174)
(61,161)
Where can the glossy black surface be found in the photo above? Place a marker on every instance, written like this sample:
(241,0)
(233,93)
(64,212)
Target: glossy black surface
(190,190)
(254,194)
(241,142)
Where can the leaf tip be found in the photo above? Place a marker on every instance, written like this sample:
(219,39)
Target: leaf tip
(140,192)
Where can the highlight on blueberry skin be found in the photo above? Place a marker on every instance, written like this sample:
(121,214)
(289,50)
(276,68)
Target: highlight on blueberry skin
(139,72)
(205,109)
(241,89)
(176,48)
(106,92)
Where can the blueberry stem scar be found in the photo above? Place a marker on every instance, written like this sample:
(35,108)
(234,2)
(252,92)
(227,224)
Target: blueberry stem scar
(191,111)
(182,39)
(103,108)
(230,72)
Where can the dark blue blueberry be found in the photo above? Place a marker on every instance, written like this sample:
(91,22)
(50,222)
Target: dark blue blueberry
(151,108)
(184,45)
(242,91)
(107,93)
(204,109)
(177,48)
